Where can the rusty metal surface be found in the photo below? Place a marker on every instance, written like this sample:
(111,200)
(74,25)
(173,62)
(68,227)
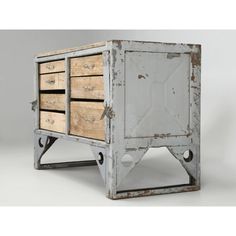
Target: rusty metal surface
(152,95)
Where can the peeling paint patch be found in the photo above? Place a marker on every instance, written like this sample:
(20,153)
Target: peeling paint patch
(162,135)
(141,77)
(193,78)
(196,59)
(172,55)
(119,44)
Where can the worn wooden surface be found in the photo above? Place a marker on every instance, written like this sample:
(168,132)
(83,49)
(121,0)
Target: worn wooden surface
(52,121)
(51,67)
(86,120)
(87,87)
(53,81)
(52,102)
(62,51)
(89,65)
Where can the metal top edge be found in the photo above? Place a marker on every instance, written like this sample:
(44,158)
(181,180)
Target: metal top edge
(153,42)
(103,43)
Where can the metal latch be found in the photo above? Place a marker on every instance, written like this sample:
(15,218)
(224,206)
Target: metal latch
(34,105)
(108,112)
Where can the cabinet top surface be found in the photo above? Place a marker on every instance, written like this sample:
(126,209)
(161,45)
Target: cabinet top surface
(98,44)
(66,50)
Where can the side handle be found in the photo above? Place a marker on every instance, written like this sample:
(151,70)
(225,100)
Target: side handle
(34,105)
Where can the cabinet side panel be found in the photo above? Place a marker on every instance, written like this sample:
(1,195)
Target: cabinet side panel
(156,94)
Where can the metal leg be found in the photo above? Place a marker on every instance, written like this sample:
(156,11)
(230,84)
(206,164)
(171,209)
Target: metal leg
(41,144)
(190,164)
(190,161)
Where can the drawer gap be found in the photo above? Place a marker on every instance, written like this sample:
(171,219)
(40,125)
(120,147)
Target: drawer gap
(94,75)
(84,56)
(48,73)
(50,110)
(86,100)
(59,91)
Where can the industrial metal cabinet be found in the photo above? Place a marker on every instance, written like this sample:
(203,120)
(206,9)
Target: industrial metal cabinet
(148,97)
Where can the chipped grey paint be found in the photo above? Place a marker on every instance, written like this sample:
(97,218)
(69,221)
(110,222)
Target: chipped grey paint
(177,140)
(130,136)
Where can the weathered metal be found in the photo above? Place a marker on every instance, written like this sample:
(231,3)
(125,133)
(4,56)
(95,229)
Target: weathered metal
(152,100)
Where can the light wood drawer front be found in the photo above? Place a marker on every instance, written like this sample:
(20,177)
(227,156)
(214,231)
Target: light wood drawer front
(87,87)
(52,67)
(52,102)
(86,120)
(90,65)
(52,81)
(52,121)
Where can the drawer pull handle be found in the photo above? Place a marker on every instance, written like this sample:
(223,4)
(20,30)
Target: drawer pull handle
(89,88)
(51,81)
(50,121)
(51,102)
(50,67)
(89,119)
(89,67)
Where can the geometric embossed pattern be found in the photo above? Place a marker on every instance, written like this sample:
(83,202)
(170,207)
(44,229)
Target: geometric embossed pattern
(156,94)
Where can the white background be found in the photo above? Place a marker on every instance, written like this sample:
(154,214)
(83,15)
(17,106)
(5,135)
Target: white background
(84,186)
(127,14)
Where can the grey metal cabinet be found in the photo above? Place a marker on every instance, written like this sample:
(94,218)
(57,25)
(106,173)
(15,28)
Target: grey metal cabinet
(151,99)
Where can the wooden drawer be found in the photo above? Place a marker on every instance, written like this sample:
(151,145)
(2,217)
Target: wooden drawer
(52,67)
(87,87)
(52,102)
(52,121)
(54,81)
(90,65)
(85,120)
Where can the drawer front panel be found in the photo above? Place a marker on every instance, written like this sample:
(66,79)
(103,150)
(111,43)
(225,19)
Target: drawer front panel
(52,81)
(85,120)
(87,87)
(52,102)
(52,121)
(90,65)
(52,67)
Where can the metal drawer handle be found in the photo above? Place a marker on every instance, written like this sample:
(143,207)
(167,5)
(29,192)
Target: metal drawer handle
(50,121)
(51,81)
(89,67)
(51,102)
(89,88)
(90,120)
(50,67)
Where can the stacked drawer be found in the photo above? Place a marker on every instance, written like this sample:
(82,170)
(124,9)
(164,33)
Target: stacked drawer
(86,96)
(52,95)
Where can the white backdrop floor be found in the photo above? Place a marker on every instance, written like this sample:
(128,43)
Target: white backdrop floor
(22,185)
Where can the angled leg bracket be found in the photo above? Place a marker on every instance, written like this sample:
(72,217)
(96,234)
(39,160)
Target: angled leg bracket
(41,145)
(190,163)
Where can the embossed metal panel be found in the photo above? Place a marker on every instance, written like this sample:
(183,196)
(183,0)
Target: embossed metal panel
(156,94)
